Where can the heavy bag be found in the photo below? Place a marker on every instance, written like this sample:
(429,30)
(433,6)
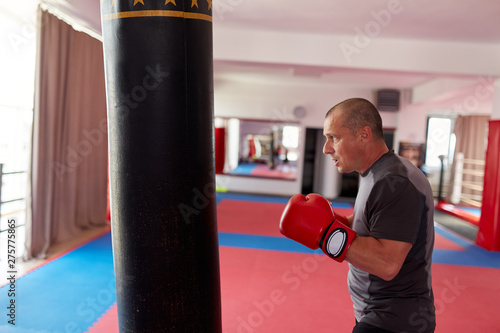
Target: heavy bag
(159,84)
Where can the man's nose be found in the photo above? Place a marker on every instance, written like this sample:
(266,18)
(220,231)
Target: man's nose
(327,148)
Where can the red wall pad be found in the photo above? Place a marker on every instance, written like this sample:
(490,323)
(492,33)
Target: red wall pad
(220,149)
(488,235)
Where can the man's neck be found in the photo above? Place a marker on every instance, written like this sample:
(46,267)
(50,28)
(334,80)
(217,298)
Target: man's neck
(373,155)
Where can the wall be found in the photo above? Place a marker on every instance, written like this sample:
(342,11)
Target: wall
(265,100)
(476,98)
(275,102)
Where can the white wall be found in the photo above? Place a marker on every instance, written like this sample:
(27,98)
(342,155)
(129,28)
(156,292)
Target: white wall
(448,71)
(411,55)
(476,98)
(268,101)
(412,125)
(275,102)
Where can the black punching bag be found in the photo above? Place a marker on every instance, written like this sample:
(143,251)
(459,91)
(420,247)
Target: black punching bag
(159,83)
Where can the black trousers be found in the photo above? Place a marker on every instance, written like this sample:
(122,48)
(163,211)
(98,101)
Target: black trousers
(367,328)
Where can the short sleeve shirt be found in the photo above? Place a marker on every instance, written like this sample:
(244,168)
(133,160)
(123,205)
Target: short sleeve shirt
(395,202)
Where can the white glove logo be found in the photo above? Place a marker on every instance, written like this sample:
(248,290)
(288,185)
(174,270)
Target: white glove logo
(336,242)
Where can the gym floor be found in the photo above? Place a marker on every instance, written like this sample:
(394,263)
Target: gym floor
(268,283)
(463,228)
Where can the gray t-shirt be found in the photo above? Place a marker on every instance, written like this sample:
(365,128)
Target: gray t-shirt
(395,202)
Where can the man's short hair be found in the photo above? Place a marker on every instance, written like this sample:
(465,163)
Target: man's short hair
(357,113)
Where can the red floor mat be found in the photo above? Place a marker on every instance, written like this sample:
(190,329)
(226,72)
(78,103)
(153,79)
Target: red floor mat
(266,291)
(280,292)
(287,292)
(466,298)
(255,218)
(441,242)
(246,217)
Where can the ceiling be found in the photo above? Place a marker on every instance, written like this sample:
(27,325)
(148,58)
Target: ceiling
(446,21)
(456,21)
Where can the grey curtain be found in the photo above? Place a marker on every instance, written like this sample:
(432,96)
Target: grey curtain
(68,174)
(471,135)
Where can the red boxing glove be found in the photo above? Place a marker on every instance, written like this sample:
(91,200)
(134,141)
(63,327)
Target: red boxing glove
(305,219)
(308,220)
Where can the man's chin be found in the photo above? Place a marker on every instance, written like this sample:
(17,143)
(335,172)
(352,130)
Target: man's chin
(343,170)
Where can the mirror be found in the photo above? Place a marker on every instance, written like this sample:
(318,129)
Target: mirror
(257,148)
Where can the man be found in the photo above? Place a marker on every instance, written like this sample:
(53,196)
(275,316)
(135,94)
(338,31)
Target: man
(388,241)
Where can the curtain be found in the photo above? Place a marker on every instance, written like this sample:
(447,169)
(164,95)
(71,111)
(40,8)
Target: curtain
(471,139)
(68,172)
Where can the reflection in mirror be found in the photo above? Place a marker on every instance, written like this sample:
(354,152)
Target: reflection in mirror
(256,148)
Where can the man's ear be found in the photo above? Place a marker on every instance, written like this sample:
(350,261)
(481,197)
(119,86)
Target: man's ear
(365,133)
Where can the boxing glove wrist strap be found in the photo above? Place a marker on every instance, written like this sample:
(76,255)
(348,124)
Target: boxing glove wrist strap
(341,218)
(336,240)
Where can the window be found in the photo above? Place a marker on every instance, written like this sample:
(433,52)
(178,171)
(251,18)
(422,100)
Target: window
(291,136)
(439,139)
(17,65)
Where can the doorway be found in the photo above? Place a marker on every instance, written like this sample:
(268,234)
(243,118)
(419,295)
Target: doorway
(314,165)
